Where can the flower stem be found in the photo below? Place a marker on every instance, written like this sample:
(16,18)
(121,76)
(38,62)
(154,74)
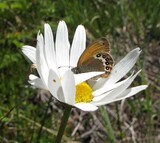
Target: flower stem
(64,120)
(108,124)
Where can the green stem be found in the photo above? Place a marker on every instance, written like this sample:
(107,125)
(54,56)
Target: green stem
(64,120)
(108,124)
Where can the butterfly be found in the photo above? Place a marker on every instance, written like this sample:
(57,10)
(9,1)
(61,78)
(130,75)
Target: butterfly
(96,57)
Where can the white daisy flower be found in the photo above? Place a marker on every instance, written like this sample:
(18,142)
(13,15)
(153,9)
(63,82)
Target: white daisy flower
(54,60)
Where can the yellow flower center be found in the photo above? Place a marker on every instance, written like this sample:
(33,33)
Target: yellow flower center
(83,93)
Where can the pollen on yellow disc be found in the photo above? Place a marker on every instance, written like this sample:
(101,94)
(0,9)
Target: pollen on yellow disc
(83,93)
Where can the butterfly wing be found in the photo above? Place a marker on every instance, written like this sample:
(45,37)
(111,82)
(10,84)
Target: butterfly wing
(96,58)
(101,44)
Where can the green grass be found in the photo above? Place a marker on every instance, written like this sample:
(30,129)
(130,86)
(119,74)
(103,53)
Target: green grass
(127,24)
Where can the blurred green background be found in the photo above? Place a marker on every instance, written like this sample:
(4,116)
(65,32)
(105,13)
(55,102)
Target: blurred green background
(26,118)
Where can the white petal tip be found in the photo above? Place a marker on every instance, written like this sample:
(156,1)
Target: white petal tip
(81,27)
(86,106)
(139,49)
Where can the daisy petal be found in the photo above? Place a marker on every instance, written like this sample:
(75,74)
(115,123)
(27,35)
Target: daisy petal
(86,106)
(36,81)
(30,52)
(127,63)
(118,72)
(69,89)
(110,87)
(78,45)
(62,45)
(55,87)
(126,94)
(62,71)
(102,99)
(40,59)
(130,92)
(49,48)
(85,76)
